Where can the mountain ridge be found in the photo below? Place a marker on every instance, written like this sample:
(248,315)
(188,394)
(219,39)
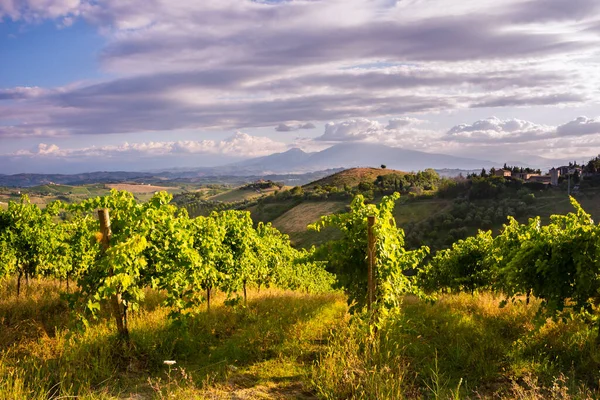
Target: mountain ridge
(349,155)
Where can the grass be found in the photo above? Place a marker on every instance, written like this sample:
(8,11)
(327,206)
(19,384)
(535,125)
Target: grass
(415,211)
(290,345)
(352,177)
(294,221)
(462,347)
(266,348)
(240,194)
(268,212)
(558,203)
(140,188)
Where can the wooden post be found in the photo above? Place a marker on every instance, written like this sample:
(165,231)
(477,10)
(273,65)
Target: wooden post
(208,299)
(19,283)
(371,280)
(118,308)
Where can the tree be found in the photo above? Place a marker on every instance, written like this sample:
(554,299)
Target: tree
(383,166)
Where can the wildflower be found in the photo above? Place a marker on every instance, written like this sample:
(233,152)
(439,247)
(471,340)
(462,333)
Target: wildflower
(169,362)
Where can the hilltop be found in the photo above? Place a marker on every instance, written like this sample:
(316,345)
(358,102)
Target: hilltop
(352,177)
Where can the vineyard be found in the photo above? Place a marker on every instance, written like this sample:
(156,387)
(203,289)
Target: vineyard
(511,315)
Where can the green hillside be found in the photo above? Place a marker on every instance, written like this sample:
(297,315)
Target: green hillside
(294,221)
(352,177)
(435,218)
(249,191)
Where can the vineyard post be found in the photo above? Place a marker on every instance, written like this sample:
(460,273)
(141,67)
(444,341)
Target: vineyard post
(116,301)
(371,263)
(208,299)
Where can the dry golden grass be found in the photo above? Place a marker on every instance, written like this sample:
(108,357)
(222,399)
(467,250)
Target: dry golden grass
(352,177)
(462,347)
(240,194)
(262,351)
(296,219)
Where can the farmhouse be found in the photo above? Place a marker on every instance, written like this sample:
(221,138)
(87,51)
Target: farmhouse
(503,172)
(524,175)
(554,175)
(540,178)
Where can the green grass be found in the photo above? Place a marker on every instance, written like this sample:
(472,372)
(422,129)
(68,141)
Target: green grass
(461,347)
(290,345)
(294,222)
(558,203)
(415,211)
(267,348)
(268,212)
(240,194)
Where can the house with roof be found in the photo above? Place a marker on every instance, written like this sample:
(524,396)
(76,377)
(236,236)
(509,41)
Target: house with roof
(507,173)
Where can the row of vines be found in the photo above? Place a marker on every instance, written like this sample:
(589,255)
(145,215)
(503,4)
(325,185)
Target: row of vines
(558,263)
(110,249)
(157,245)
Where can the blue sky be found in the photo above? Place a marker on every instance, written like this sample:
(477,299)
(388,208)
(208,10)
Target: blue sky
(45,55)
(186,83)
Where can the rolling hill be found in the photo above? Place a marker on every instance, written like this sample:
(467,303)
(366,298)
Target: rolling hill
(352,177)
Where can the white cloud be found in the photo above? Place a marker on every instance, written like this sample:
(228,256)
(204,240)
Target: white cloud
(38,10)
(497,130)
(240,145)
(399,132)
(351,130)
(231,64)
(580,126)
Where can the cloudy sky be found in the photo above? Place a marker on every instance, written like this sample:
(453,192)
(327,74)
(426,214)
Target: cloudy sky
(140,84)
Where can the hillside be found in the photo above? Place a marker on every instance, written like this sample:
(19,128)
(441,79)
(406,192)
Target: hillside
(352,177)
(294,221)
(242,193)
(433,211)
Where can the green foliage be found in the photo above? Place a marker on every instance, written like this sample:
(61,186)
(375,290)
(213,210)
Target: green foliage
(558,263)
(593,166)
(29,239)
(152,245)
(464,267)
(424,180)
(347,257)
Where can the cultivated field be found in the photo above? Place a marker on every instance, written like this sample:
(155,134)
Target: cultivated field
(139,188)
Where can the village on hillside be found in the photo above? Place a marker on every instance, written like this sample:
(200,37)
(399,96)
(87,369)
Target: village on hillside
(573,173)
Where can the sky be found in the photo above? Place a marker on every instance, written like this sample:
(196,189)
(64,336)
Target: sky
(88,85)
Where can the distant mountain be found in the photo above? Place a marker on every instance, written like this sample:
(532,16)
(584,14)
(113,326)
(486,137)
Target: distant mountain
(540,162)
(289,160)
(347,155)
(292,167)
